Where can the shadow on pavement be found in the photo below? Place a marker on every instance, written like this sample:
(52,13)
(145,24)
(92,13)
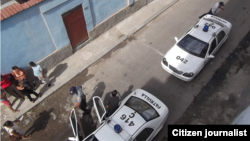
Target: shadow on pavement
(126,93)
(40,123)
(19,104)
(52,77)
(99,90)
(88,125)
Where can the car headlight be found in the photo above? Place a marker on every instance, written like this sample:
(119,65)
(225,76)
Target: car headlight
(188,74)
(165,61)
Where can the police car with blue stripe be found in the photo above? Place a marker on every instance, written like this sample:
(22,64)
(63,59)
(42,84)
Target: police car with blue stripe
(140,116)
(196,47)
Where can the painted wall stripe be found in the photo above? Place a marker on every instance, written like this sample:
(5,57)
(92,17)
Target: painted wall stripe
(48,29)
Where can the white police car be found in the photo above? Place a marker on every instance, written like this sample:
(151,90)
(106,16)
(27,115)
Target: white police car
(196,47)
(139,117)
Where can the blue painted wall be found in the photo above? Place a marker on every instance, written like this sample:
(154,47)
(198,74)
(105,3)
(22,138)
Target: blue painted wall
(24,38)
(95,11)
(102,9)
(55,22)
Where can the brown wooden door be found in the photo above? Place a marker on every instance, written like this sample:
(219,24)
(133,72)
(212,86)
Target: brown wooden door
(75,25)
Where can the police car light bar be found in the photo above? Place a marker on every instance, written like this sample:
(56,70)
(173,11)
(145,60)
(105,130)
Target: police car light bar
(117,128)
(205,28)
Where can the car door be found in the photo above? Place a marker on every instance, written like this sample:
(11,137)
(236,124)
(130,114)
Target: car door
(145,135)
(75,127)
(210,51)
(99,108)
(221,38)
(213,46)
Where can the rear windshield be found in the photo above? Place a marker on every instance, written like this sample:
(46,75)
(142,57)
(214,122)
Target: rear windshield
(143,108)
(193,46)
(91,138)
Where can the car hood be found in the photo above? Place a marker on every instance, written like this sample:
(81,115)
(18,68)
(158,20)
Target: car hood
(190,62)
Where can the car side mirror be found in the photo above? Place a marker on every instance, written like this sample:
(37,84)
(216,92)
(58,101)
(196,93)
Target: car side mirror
(210,56)
(176,39)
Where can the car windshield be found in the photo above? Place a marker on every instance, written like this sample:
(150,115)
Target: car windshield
(91,138)
(143,108)
(193,46)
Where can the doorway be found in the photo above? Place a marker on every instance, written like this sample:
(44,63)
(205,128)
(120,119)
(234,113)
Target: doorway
(75,24)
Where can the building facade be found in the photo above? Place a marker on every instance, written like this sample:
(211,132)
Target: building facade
(51,30)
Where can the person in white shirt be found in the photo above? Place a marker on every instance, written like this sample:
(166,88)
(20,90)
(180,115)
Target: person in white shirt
(217,6)
(214,9)
(14,130)
(39,73)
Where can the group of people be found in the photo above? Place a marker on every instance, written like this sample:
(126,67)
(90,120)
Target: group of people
(111,105)
(25,88)
(16,84)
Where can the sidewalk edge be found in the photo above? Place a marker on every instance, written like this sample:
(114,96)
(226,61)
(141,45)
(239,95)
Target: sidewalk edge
(153,17)
(118,43)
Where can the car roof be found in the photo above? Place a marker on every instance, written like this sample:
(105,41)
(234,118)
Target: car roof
(158,105)
(128,129)
(107,129)
(198,32)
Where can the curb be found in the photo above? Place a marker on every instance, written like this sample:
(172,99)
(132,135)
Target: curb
(121,40)
(118,43)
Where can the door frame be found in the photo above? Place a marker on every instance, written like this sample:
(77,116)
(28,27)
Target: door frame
(68,12)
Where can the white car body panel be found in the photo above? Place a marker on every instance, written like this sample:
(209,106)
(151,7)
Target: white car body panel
(191,63)
(76,138)
(190,66)
(243,118)
(137,120)
(105,132)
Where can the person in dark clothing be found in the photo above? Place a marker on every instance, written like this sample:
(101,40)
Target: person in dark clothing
(112,103)
(81,98)
(20,75)
(8,86)
(27,91)
(214,9)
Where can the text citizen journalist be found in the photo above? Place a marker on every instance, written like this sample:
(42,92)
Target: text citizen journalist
(185,132)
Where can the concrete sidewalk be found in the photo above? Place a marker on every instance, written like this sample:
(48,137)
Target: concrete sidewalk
(88,55)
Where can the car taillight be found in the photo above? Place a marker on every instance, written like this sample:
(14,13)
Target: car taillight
(188,74)
(165,61)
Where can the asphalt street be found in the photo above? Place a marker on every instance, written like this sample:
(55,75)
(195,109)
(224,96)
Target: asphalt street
(136,64)
(227,93)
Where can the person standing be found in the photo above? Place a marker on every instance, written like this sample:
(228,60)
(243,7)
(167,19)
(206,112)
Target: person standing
(14,130)
(8,87)
(112,103)
(217,6)
(20,75)
(81,98)
(214,9)
(27,91)
(39,73)
(6,102)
